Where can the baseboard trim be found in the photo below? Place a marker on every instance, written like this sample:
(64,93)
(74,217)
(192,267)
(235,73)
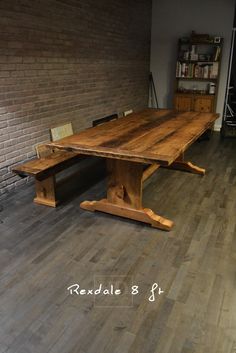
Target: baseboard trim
(217,128)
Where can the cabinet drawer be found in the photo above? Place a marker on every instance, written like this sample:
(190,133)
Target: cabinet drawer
(183,103)
(203,104)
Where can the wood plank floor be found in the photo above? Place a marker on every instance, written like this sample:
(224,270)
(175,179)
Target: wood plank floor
(44,250)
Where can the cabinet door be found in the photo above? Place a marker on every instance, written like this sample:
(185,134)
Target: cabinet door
(203,104)
(183,103)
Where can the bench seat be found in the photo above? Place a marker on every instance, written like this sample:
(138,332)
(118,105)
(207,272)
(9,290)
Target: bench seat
(44,171)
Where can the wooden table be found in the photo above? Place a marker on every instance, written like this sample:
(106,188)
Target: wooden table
(135,146)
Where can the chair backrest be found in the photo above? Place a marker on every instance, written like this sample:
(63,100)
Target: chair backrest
(61,131)
(56,133)
(105,119)
(128,112)
(43,151)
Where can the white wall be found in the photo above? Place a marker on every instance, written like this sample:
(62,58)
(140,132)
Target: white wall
(174,19)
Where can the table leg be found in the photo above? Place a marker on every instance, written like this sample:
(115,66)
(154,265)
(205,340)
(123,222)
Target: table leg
(181,164)
(46,192)
(124,195)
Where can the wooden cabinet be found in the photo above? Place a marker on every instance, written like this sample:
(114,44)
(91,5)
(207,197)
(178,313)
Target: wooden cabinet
(197,73)
(204,104)
(194,102)
(183,102)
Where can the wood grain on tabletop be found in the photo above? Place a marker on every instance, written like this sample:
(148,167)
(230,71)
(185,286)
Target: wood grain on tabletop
(153,135)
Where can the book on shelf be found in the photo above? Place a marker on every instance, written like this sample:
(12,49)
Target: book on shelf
(197,70)
(217,53)
(215,70)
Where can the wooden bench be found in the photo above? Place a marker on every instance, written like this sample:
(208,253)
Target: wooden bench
(50,162)
(44,171)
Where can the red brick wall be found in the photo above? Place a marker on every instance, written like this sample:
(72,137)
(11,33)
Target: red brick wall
(67,60)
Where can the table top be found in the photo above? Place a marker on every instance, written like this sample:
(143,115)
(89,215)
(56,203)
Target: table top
(149,136)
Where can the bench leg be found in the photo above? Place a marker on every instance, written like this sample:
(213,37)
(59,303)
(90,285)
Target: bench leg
(124,195)
(46,192)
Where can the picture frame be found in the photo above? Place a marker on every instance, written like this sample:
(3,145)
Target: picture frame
(217,40)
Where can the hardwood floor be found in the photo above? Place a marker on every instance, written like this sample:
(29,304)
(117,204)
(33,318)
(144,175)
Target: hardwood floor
(43,251)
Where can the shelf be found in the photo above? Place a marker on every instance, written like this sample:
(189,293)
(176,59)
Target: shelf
(195,94)
(197,73)
(196,79)
(200,43)
(198,61)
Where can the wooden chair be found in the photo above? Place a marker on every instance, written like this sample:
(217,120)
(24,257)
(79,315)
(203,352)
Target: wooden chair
(127,112)
(43,150)
(56,133)
(61,131)
(105,119)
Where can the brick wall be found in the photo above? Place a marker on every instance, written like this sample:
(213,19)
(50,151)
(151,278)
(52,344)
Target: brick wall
(67,60)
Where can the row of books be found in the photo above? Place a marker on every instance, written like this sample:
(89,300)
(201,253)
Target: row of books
(197,70)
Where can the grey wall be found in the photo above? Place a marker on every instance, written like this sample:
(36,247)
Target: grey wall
(174,19)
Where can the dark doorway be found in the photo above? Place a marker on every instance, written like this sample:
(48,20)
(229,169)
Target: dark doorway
(228,128)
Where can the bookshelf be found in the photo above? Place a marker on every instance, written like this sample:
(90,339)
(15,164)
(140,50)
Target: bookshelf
(197,72)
